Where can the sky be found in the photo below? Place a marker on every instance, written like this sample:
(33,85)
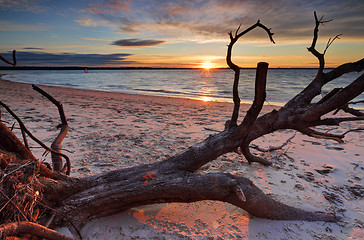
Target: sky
(179,33)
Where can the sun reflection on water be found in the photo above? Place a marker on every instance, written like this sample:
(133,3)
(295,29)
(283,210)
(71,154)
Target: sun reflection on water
(206,98)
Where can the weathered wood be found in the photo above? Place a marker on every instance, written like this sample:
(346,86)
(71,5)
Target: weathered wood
(112,192)
(56,144)
(59,138)
(30,228)
(10,143)
(236,69)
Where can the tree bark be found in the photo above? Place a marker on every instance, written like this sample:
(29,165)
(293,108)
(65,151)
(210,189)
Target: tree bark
(32,229)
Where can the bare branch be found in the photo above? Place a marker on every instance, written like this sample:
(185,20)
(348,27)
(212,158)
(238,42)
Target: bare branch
(237,30)
(316,134)
(356,102)
(30,134)
(321,19)
(8,62)
(340,98)
(54,101)
(312,48)
(353,130)
(252,158)
(329,95)
(270,149)
(259,98)
(236,69)
(24,139)
(350,110)
(56,145)
(34,229)
(329,42)
(343,69)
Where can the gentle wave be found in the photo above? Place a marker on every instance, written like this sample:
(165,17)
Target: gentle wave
(282,84)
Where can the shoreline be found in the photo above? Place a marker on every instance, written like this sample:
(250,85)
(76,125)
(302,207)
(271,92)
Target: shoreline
(196,94)
(220,100)
(117,130)
(152,93)
(132,95)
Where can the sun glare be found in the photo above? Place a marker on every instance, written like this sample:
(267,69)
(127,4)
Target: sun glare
(207,65)
(206,99)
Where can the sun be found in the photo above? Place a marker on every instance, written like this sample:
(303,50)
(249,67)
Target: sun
(207,65)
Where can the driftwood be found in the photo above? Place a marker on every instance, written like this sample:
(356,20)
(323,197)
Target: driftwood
(7,61)
(69,201)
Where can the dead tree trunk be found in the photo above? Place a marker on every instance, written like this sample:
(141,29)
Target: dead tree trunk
(73,201)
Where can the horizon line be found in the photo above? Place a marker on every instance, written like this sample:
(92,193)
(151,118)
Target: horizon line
(132,68)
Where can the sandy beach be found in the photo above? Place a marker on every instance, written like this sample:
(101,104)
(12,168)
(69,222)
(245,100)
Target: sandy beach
(112,130)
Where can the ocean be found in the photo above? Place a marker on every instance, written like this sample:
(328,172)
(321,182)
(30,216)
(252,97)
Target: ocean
(213,85)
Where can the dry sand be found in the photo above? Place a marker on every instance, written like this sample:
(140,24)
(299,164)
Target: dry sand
(112,130)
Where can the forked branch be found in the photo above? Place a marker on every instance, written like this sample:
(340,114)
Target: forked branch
(312,48)
(236,69)
(56,145)
(330,41)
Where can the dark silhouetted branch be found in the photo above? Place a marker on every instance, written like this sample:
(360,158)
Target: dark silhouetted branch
(259,98)
(8,62)
(56,145)
(236,69)
(317,134)
(330,41)
(312,48)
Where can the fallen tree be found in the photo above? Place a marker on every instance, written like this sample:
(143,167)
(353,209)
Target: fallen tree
(35,197)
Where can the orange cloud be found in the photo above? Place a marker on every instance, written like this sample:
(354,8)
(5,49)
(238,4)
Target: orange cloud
(109,6)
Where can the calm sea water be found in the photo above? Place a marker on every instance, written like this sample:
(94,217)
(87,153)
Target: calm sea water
(282,84)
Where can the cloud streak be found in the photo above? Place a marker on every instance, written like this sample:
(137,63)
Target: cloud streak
(10,26)
(136,42)
(33,48)
(23,5)
(70,59)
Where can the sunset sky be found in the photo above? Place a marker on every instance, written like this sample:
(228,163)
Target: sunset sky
(160,33)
